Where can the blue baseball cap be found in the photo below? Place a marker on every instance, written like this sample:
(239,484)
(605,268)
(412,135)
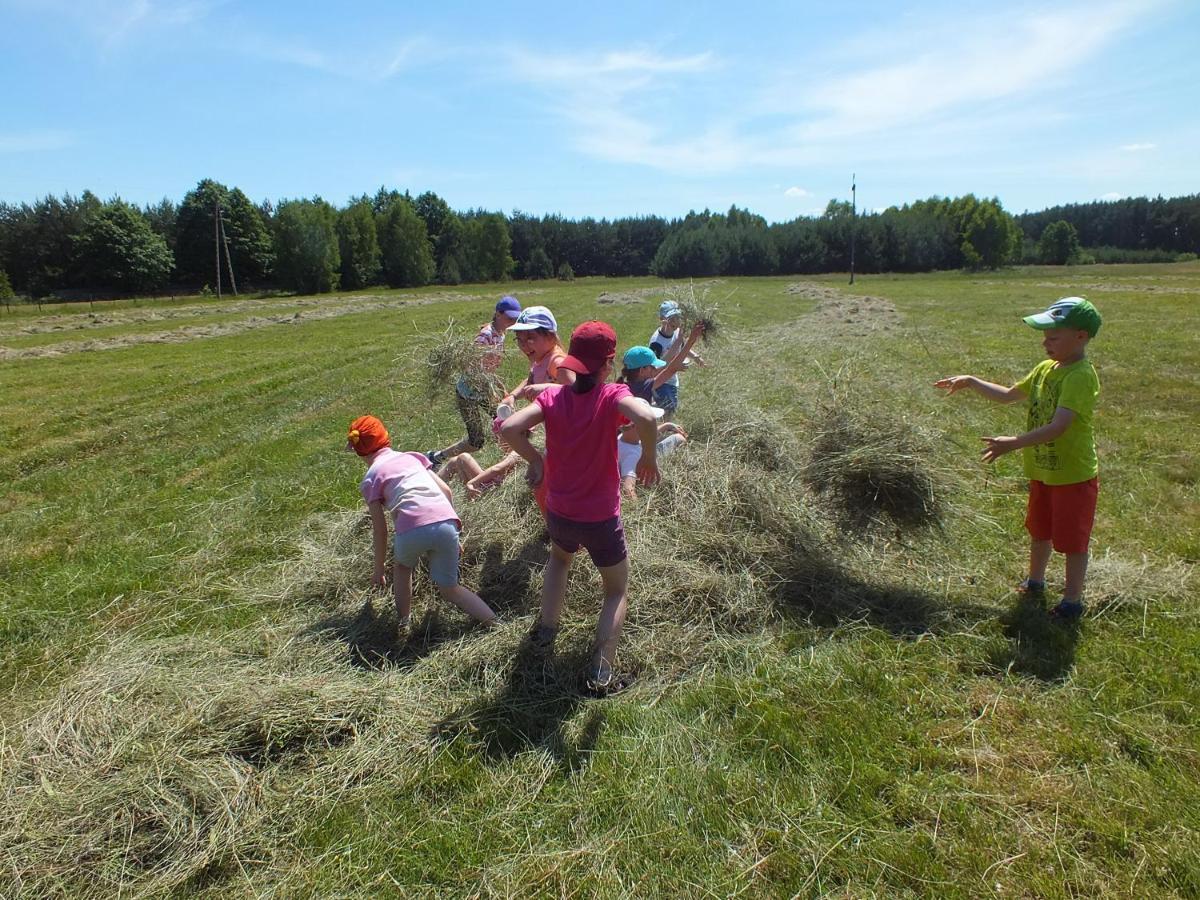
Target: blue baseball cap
(509,306)
(667,309)
(636,357)
(533,317)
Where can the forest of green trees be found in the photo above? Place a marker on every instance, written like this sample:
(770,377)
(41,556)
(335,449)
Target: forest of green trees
(71,247)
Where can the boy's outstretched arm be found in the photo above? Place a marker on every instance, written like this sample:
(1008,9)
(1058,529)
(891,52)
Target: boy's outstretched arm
(638,412)
(997,392)
(515,432)
(679,360)
(379,542)
(998,446)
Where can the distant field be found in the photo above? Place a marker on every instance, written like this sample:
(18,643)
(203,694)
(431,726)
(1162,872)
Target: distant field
(203,695)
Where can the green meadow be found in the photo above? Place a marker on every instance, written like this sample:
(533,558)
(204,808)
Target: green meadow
(834,695)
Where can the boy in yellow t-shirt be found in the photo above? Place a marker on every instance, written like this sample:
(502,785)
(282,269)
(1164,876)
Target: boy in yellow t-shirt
(1059,447)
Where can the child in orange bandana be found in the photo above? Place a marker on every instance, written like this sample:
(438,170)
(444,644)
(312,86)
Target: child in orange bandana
(423,518)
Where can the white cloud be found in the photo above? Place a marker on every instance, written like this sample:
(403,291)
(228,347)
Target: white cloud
(1112,195)
(796,192)
(1138,148)
(360,64)
(111,22)
(906,101)
(35,141)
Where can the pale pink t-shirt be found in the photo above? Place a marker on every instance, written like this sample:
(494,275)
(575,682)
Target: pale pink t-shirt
(582,480)
(403,483)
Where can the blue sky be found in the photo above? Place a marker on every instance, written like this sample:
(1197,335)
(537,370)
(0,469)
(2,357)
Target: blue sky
(607,110)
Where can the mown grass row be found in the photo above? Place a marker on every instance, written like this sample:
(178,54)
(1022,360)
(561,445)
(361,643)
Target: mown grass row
(823,707)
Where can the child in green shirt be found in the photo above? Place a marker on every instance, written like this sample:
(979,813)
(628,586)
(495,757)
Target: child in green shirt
(1059,447)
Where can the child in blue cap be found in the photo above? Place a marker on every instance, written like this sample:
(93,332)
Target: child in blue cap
(665,343)
(1059,446)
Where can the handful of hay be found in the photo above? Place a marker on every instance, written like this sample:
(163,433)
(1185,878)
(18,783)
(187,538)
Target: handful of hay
(454,357)
(696,309)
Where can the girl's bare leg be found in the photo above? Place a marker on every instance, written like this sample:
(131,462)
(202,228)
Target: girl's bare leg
(402,591)
(612,616)
(1077,564)
(469,602)
(1039,558)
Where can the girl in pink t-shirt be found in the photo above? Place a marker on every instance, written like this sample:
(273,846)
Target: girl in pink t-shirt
(582,482)
(424,521)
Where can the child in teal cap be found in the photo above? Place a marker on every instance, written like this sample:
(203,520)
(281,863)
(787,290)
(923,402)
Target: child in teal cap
(1059,446)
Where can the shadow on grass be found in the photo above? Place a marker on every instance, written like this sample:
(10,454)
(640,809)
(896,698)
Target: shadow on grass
(1037,646)
(504,582)
(529,712)
(373,643)
(822,594)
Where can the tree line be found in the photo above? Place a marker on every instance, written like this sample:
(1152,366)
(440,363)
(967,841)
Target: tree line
(71,245)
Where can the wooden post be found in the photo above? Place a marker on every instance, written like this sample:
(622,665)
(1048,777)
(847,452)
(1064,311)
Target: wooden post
(228,257)
(217,242)
(853,217)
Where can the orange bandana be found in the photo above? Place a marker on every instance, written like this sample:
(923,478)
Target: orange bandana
(367,435)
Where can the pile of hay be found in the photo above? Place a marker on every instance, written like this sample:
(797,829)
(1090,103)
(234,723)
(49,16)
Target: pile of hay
(873,466)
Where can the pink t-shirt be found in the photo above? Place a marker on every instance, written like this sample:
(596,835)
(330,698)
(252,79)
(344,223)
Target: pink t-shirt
(401,481)
(582,480)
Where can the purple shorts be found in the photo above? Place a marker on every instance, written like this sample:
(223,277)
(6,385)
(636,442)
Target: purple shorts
(604,541)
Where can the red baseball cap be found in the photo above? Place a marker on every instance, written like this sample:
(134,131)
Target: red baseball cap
(592,344)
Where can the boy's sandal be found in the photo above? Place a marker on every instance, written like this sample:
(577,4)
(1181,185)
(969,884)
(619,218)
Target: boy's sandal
(1031,588)
(1067,611)
(604,684)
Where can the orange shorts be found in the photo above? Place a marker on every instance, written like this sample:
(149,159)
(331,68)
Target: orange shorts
(1062,514)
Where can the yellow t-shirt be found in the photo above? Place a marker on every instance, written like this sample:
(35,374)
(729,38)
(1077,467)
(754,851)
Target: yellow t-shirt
(1071,458)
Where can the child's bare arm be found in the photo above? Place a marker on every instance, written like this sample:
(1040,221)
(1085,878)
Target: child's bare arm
(379,541)
(515,431)
(998,446)
(997,392)
(679,360)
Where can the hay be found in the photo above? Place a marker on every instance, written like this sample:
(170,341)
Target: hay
(453,357)
(150,765)
(873,467)
(695,308)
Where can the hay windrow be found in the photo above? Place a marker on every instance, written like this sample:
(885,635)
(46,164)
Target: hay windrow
(150,765)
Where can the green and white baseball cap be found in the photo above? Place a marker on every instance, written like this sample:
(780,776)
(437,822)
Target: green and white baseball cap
(1069,312)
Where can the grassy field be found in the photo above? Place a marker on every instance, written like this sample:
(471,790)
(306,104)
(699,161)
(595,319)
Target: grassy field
(835,696)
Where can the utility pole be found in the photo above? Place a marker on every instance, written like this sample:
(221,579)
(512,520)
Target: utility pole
(853,217)
(228,256)
(217,241)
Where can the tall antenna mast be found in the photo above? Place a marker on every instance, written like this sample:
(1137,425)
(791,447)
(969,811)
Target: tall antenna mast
(853,217)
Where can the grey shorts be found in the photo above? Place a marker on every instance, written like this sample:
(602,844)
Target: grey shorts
(438,541)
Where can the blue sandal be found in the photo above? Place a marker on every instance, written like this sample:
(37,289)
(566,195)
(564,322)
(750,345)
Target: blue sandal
(1067,611)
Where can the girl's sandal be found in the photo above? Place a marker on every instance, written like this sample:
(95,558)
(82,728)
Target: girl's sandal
(602,684)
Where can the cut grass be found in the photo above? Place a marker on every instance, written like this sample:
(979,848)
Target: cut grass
(219,706)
